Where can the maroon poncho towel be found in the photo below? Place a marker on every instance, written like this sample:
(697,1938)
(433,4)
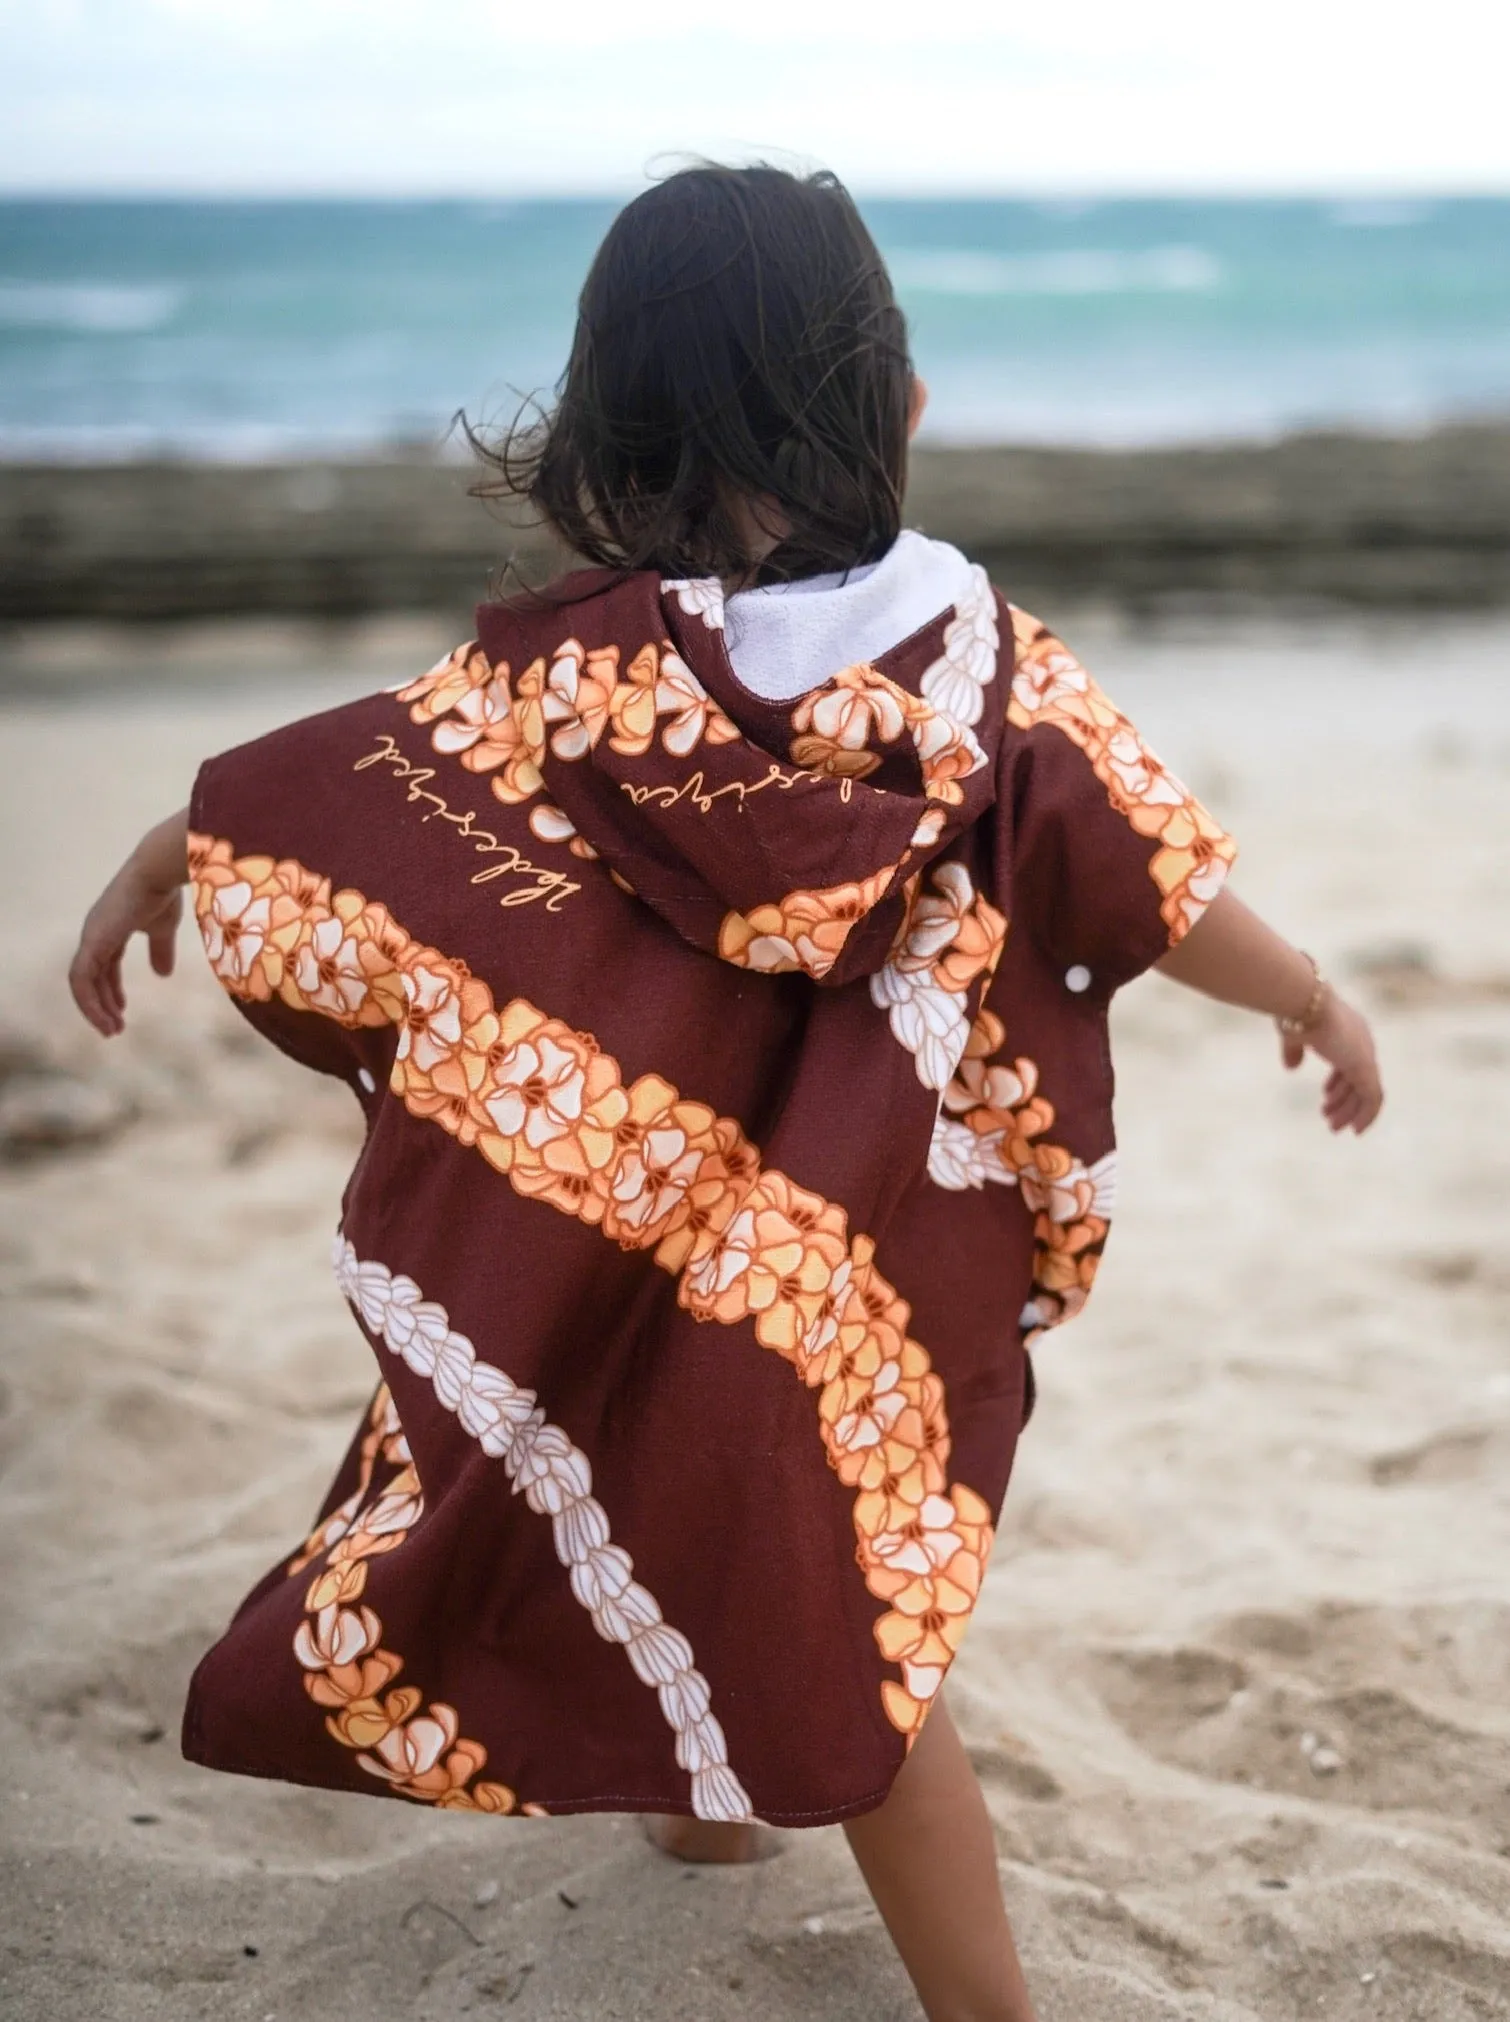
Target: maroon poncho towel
(738,1105)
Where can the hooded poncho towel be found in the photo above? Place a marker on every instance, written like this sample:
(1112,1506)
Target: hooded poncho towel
(738,1109)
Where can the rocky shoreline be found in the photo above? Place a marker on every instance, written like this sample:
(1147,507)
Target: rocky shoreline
(1363,520)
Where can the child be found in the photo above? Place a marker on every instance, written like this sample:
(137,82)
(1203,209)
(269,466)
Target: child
(720,948)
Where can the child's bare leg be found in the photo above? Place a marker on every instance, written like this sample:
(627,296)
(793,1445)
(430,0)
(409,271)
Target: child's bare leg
(928,1856)
(700,1839)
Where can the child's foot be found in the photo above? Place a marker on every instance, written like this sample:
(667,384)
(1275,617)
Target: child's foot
(702,1840)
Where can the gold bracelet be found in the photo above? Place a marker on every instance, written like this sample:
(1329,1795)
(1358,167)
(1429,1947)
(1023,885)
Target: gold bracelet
(1310,1018)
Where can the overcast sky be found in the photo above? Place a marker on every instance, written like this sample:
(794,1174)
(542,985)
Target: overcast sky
(459,96)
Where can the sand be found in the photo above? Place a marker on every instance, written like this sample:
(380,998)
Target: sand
(1237,1687)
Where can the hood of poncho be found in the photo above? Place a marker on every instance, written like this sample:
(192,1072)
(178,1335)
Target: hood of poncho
(782,836)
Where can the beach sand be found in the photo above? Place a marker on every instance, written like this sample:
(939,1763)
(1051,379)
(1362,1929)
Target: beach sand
(1237,1687)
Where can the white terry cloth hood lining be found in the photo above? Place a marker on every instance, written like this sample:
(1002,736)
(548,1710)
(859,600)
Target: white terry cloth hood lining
(784,639)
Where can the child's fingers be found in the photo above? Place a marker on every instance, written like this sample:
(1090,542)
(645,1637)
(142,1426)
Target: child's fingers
(162,940)
(1292,1048)
(90,984)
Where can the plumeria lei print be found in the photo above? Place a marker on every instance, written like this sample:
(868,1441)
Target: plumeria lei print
(545,1105)
(992,1130)
(501,724)
(1049,685)
(418,1751)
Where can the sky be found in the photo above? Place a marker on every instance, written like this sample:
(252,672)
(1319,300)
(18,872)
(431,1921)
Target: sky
(485,97)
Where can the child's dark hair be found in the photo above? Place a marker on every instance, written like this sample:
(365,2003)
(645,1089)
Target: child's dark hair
(737,339)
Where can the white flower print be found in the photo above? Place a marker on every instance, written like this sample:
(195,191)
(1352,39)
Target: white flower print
(540,1094)
(234,930)
(431,1028)
(700,597)
(473,716)
(555,1478)
(1070,1196)
(693,712)
(956,682)
(1139,773)
(926,1018)
(336,1635)
(730,1258)
(654,1176)
(960,1158)
(328,970)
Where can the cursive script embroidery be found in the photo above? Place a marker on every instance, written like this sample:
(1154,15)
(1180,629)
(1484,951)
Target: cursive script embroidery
(552,886)
(695,788)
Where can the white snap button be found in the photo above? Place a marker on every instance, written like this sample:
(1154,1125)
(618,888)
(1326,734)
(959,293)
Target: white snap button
(367,1081)
(1077,979)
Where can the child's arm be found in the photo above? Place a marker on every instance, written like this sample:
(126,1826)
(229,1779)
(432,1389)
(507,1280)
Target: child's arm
(1230,954)
(144,897)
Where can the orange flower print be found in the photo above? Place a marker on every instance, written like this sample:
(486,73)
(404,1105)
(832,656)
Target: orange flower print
(709,1206)
(480,728)
(551,1110)
(926,1623)
(424,1755)
(336,1639)
(520,738)
(920,1547)
(948,751)
(448,682)
(695,716)
(1057,1185)
(1050,686)
(805,930)
(841,720)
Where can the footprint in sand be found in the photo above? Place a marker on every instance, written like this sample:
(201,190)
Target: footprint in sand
(1346,1706)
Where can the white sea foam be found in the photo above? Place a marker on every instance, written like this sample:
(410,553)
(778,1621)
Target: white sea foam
(1157,270)
(97,308)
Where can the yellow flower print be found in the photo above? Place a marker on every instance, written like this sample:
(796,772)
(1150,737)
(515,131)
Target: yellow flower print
(448,682)
(724,1177)
(923,1544)
(632,706)
(659,1148)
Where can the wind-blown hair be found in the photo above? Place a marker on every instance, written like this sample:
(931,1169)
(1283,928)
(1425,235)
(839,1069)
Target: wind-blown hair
(737,340)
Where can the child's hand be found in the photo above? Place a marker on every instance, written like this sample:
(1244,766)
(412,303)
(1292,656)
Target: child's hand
(144,897)
(1354,1094)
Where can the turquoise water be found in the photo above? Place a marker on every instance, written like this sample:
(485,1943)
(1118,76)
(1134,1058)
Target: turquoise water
(257,329)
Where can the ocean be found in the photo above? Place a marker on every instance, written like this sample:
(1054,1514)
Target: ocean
(257,330)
